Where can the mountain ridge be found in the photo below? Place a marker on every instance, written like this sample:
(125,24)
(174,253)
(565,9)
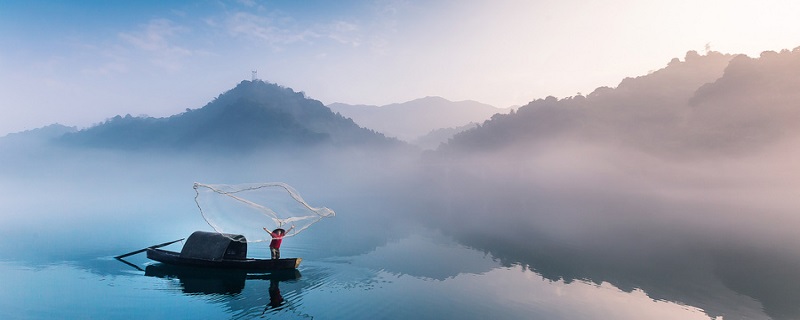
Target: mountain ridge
(252,115)
(413,119)
(713,103)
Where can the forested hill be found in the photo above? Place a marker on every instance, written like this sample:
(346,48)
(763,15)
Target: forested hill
(714,103)
(251,116)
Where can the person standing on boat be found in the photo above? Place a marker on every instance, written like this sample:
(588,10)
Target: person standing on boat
(275,244)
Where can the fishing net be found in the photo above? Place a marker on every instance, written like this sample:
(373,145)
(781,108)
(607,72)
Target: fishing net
(248,208)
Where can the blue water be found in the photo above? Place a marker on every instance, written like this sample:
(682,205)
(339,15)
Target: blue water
(415,277)
(397,249)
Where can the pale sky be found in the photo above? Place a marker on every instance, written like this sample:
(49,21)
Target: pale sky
(78,63)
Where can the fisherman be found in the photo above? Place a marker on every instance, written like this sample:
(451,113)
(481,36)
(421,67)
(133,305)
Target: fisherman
(275,244)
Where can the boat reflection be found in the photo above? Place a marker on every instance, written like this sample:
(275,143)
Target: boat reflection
(195,280)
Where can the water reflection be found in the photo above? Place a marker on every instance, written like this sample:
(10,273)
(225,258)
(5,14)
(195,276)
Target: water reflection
(210,281)
(505,251)
(275,297)
(363,286)
(725,260)
(228,287)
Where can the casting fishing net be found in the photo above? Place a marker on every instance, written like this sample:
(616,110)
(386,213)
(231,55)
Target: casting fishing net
(248,208)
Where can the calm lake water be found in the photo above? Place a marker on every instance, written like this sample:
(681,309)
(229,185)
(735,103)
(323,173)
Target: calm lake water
(395,250)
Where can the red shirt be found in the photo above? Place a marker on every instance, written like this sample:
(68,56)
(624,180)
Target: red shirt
(277,238)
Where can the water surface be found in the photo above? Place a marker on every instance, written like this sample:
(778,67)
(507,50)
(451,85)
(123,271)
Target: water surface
(438,247)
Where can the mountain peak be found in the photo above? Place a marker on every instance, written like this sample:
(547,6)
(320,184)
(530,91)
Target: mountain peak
(252,115)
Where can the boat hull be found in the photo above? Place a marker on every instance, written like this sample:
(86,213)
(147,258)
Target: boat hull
(174,258)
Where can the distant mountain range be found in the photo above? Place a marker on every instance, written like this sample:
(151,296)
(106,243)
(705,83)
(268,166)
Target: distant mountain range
(717,103)
(713,103)
(411,120)
(253,115)
(38,135)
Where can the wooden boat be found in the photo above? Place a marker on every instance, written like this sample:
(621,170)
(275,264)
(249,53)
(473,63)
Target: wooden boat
(222,251)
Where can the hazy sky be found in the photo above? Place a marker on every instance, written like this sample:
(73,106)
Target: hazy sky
(78,63)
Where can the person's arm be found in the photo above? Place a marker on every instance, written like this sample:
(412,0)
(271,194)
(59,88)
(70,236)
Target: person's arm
(290,229)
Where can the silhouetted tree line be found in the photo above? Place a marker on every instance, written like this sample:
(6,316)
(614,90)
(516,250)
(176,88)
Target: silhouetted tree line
(713,103)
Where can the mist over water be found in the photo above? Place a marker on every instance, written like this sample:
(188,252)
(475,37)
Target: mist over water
(713,232)
(715,235)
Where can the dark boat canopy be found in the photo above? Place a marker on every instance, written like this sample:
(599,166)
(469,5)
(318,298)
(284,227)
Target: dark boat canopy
(214,246)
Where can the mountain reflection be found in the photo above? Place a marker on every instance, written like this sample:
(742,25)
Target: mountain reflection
(690,253)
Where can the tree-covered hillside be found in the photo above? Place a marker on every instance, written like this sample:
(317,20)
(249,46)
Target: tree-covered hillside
(253,115)
(688,107)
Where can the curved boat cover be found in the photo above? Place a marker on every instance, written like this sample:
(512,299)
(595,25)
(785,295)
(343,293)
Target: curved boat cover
(214,246)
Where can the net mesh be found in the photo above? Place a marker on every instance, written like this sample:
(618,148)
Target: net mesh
(248,208)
